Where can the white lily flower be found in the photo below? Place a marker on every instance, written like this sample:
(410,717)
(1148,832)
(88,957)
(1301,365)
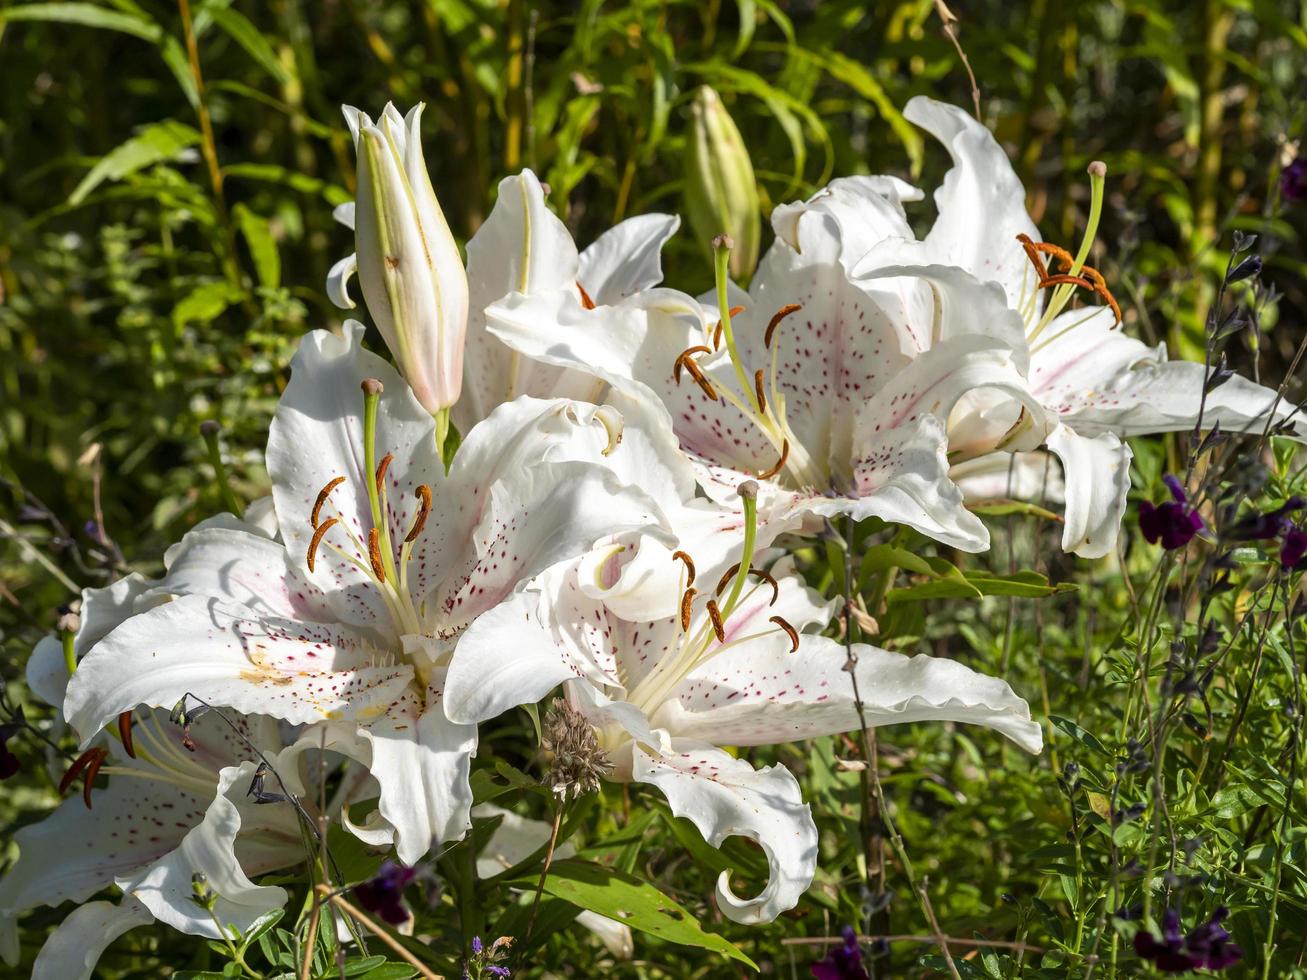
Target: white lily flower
(524,247)
(348,621)
(176,805)
(517,838)
(732,667)
(1097,385)
(407,260)
(833,393)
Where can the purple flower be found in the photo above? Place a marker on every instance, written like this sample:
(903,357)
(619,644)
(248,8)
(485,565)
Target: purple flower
(1173,523)
(10,764)
(1262,527)
(1294,548)
(1207,946)
(1293,180)
(843,962)
(384,894)
(476,946)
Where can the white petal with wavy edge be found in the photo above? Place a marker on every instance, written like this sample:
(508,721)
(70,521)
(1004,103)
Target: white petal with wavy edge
(338,278)
(1098,379)
(421,761)
(981,203)
(209,848)
(230,656)
(867,210)
(726,797)
(74,948)
(317,435)
(1097,477)
(627,258)
(761,695)
(523,247)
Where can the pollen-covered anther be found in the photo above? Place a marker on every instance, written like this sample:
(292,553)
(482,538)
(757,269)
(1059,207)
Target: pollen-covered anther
(423,493)
(319,533)
(586,302)
(789,631)
(687,607)
(715,615)
(125,733)
(780,463)
(776,319)
(374,554)
(88,763)
(321,502)
(701,380)
(770,579)
(758,390)
(683,360)
(382,467)
(1099,287)
(725,580)
(689,565)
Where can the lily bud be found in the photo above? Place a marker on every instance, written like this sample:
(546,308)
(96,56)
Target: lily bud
(721,194)
(409,266)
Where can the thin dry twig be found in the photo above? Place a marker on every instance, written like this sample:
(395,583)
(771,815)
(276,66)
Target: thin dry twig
(379,932)
(950,21)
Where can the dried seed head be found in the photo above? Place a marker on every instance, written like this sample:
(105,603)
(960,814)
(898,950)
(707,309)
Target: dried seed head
(578,762)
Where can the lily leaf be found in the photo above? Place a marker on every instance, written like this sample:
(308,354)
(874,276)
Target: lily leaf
(153,144)
(627,899)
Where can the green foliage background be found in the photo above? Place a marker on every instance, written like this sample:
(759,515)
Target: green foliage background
(149,284)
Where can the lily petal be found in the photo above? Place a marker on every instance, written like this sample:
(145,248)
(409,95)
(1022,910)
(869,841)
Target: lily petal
(523,247)
(73,950)
(231,656)
(422,762)
(1014,476)
(1097,478)
(338,280)
(981,203)
(627,258)
(209,848)
(726,797)
(760,695)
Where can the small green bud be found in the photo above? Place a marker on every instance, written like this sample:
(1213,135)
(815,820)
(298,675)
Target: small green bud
(721,193)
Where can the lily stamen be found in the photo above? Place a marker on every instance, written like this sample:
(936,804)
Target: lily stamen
(374,554)
(318,534)
(689,567)
(382,467)
(683,359)
(758,390)
(586,302)
(125,733)
(423,493)
(88,766)
(776,319)
(715,615)
(687,607)
(321,502)
(789,631)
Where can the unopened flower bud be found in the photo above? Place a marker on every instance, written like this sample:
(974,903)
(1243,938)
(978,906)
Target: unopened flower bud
(408,263)
(721,194)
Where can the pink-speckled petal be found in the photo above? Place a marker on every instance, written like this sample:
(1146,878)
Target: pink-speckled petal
(230,656)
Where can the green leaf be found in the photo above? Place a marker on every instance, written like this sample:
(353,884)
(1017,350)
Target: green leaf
(333,193)
(388,971)
(238,27)
(174,56)
(262,245)
(628,899)
(260,926)
(153,144)
(1024,584)
(205,303)
(85,15)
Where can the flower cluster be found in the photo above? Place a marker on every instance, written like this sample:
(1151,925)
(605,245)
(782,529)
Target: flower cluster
(631,461)
(1206,947)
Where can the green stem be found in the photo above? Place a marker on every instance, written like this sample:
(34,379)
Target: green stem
(210,430)
(70,655)
(722,261)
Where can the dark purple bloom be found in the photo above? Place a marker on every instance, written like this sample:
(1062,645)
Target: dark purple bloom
(844,962)
(1294,548)
(384,894)
(1262,527)
(1293,180)
(1207,946)
(1173,523)
(10,764)
(498,971)
(476,946)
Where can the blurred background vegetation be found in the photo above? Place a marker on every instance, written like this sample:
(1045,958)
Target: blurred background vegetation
(168,173)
